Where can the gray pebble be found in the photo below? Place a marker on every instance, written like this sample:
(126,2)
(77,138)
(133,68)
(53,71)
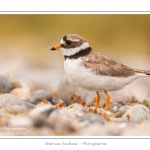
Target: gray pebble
(41,110)
(115,128)
(55,100)
(93,129)
(13,104)
(75,110)
(115,105)
(40,114)
(136,114)
(93,118)
(5,85)
(38,96)
(121,111)
(62,122)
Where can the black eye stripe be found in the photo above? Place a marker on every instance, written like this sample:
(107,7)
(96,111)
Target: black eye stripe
(65,38)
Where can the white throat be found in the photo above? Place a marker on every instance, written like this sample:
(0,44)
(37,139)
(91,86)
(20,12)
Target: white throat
(72,51)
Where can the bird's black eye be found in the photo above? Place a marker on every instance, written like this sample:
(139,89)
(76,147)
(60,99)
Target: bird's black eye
(68,42)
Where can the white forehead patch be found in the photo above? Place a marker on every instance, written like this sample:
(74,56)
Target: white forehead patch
(72,51)
(62,42)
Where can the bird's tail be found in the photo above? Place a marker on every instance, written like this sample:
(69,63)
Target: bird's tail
(146,72)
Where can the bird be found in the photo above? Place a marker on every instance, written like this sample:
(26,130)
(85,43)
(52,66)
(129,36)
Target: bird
(93,71)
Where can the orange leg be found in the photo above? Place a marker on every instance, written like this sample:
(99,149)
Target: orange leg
(107,101)
(97,102)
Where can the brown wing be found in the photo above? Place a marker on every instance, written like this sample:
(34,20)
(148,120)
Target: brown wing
(103,65)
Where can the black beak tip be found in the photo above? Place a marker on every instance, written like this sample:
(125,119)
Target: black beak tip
(53,48)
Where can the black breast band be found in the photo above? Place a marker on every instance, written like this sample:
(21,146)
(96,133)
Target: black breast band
(82,53)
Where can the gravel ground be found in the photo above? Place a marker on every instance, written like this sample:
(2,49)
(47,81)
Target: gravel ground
(46,107)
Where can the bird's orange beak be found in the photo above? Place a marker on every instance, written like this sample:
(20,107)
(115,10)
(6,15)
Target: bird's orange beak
(57,47)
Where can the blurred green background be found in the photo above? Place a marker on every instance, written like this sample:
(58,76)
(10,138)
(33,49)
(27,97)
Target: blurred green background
(122,37)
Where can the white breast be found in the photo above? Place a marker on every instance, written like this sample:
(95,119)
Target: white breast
(87,79)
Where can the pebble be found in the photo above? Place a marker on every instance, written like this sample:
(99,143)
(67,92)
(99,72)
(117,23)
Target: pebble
(136,114)
(21,119)
(115,105)
(91,118)
(10,103)
(75,110)
(62,123)
(5,85)
(55,100)
(136,129)
(115,128)
(38,96)
(41,110)
(40,114)
(22,93)
(93,129)
(121,111)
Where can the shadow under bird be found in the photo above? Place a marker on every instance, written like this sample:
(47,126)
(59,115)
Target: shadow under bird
(94,71)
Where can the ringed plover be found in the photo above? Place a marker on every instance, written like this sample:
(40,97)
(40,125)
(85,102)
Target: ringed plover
(94,71)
